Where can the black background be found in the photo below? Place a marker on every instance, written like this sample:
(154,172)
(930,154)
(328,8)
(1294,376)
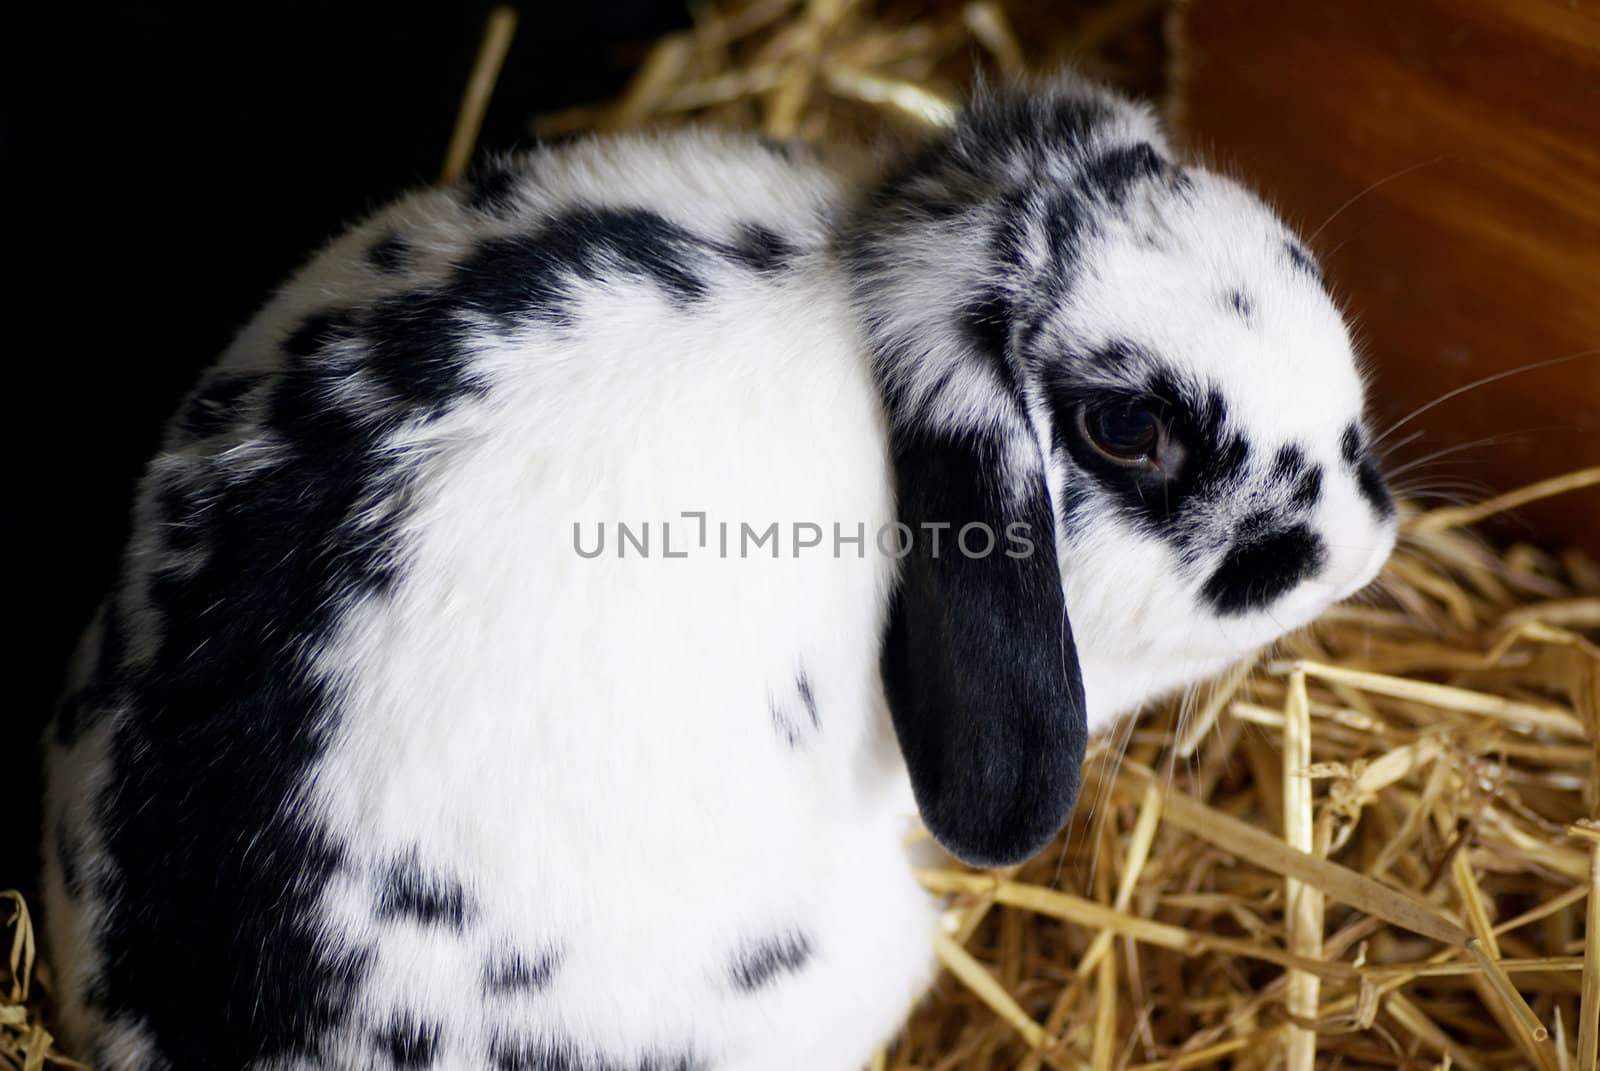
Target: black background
(164,168)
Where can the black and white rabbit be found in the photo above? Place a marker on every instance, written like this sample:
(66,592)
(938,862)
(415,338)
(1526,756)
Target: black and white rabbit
(542,626)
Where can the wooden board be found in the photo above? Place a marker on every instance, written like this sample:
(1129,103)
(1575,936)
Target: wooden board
(1447,153)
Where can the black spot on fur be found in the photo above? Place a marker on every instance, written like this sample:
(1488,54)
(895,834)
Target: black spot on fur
(513,1054)
(1120,351)
(1009,245)
(802,684)
(409,1042)
(215,407)
(1240,303)
(987,325)
(987,322)
(759,964)
(390,254)
(1308,489)
(490,187)
(1116,171)
(1290,468)
(1301,258)
(1259,569)
(1288,464)
(532,275)
(318,331)
(415,348)
(412,892)
(1369,477)
(1350,448)
(350,376)
(761,249)
(231,708)
(514,972)
(233,724)
(783,724)
(1225,463)
(787,724)
(309,409)
(1066,221)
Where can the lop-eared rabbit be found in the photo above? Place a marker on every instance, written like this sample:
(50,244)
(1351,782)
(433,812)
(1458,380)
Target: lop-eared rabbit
(543,626)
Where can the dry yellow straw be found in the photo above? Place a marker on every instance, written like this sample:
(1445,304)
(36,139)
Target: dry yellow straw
(22,948)
(988,23)
(961,964)
(1303,902)
(1542,715)
(1098,916)
(1589,1003)
(1345,885)
(25,1043)
(1460,516)
(497,33)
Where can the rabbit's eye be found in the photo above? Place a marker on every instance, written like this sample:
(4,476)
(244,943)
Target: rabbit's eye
(1127,432)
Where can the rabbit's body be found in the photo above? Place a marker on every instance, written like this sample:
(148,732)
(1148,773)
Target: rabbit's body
(508,669)
(593,833)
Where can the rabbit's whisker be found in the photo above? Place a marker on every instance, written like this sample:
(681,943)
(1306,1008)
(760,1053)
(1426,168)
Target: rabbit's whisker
(1475,384)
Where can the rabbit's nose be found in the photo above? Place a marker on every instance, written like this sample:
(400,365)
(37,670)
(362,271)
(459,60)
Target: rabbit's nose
(1378,550)
(1260,568)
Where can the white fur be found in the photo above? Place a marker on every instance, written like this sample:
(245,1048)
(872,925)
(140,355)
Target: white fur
(590,739)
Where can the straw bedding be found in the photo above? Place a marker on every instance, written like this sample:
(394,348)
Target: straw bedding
(1375,846)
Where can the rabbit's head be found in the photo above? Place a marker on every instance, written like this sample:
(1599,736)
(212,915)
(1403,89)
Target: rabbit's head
(1131,374)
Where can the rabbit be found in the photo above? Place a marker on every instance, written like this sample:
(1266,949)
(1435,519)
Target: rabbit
(544,627)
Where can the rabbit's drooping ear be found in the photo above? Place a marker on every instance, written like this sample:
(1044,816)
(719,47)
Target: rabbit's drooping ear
(979,666)
(947,261)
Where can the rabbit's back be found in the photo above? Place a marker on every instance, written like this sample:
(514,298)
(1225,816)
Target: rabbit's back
(492,676)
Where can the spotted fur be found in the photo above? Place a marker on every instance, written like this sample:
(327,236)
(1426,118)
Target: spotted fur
(362,765)
(761,963)
(513,972)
